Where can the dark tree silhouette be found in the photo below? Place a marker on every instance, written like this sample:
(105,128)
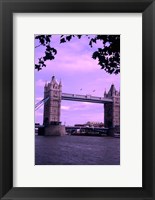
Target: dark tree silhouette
(108,56)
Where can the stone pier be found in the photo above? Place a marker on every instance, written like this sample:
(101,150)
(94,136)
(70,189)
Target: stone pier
(57,130)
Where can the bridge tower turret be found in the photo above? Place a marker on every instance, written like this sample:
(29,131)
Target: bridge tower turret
(52,107)
(112,110)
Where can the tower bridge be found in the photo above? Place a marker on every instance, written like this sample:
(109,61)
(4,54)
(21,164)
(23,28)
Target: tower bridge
(52,104)
(85,98)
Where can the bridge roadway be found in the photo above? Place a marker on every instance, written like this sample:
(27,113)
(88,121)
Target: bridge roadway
(85,98)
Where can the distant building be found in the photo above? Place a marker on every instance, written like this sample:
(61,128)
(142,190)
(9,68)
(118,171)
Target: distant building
(79,125)
(94,124)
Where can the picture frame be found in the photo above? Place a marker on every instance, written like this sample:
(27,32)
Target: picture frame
(7,8)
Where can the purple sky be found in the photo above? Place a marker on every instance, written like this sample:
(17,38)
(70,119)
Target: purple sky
(76,69)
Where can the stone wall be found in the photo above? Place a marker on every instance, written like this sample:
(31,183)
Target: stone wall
(108,115)
(57,130)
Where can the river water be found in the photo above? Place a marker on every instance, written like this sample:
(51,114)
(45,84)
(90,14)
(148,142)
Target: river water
(77,150)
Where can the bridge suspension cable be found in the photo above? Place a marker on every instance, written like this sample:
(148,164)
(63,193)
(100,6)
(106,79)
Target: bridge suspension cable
(40,103)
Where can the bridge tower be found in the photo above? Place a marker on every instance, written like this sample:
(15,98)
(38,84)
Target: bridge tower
(112,110)
(52,107)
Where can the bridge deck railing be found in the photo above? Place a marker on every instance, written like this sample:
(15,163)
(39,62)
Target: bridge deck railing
(65,95)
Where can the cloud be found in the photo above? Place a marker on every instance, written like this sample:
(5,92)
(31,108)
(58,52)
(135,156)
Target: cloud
(38,113)
(39,98)
(73,106)
(98,117)
(65,107)
(86,103)
(72,63)
(40,109)
(40,83)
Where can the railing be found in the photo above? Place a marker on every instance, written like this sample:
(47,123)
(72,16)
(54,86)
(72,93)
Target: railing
(40,103)
(86,98)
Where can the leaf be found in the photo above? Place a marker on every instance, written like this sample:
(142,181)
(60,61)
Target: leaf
(48,39)
(41,62)
(95,55)
(42,40)
(90,43)
(68,37)
(79,36)
(48,48)
(37,37)
(54,51)
(100,50)
(62,40)
(93,40)
(37,66)
(45,58)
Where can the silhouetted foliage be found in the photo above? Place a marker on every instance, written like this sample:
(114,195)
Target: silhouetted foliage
(108,56)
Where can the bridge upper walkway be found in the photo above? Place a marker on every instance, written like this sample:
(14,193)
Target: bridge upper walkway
(85,98)
(76,97)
